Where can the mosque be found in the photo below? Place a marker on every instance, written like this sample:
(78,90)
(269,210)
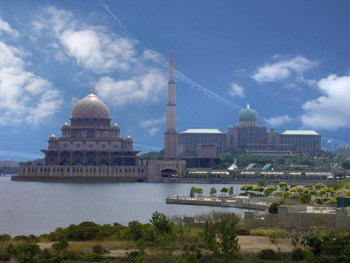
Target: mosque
(90,149)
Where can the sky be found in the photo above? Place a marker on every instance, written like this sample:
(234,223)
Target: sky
(288,59)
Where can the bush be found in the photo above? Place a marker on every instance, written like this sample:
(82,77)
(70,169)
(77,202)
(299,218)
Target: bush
(268,254)
(331,201)
(242,231)
(98,249)
(5,256)
(5,238)
(273,208)
(298,254)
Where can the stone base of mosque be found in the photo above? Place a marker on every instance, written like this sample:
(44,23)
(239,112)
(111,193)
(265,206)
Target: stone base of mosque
(80,179)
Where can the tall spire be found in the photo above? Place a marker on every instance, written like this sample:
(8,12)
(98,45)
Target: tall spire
(171,136)
(171,68)
(91,86)
(172,57)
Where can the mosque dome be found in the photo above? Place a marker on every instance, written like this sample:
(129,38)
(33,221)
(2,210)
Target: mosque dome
(90,107)
(53,138)
(115,126)
(248,114)
(128,138)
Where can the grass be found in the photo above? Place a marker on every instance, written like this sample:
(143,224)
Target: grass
(86,246)
(269,232)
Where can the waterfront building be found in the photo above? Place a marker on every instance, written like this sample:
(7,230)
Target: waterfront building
(90,149)
(248,136)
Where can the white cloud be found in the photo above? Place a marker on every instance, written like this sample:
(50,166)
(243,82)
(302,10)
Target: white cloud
(236,90)
(97,49)
(25,97)
(153,131)
(5,27)
(278,121)
(151,122)
(92,47)
(331,111)
(145,88)
(283,69)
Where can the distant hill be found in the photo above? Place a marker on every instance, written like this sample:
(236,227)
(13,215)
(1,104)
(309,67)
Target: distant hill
(9,163)
(35,162)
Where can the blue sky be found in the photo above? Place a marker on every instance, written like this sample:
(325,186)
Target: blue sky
(288,59)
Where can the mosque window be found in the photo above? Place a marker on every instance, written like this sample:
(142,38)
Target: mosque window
(90,134)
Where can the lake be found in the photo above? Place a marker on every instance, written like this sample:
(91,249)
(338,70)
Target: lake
(37,208)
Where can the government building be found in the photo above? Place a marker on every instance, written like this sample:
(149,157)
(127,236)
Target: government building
(248,136)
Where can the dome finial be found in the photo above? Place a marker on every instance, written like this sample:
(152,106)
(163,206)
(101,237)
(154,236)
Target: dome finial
(91,86)
(248,106)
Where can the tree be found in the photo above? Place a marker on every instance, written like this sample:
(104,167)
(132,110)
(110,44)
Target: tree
(273,208)
(284,187)
(269,190)
(61,245)
(212,191)
(246,188)
(304,198)
(222,239)
(224,190)
(160,221)
(319,186)
(258,189)
(24,252)
(296,189)
(346,164)
(198,191)
(308,186)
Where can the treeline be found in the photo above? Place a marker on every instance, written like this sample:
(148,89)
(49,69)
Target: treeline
(166,239)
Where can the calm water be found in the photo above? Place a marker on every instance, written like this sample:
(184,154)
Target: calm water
(37,208)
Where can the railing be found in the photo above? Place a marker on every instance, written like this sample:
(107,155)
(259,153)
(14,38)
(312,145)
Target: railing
(199,198)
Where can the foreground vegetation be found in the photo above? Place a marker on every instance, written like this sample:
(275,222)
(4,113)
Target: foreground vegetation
(168,240)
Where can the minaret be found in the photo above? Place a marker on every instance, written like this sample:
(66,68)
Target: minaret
(170,138)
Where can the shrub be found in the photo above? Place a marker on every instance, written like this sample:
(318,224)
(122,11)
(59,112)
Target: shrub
(98,249)
(5,238)
(4,256)
(267,254)
(319,201)
(331,201)
(273,208)
(298,254)
(304,198)
(242,231)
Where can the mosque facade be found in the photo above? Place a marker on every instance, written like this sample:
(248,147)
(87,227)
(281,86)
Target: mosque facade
(91,149)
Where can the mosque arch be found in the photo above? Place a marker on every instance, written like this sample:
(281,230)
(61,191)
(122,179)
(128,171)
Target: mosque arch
(90,134)
(116,160)
(51,158)
(65,159)
(90,158)
(78,159)
(103,159)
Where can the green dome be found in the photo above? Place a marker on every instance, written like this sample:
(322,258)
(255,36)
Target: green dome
(248,114)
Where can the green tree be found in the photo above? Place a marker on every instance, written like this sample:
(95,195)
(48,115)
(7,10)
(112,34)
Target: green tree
(212,191)
(161,222)
(346,164)
(24,252)
(259,189)
(224,190)
(308,186)
(222,239)
(269,190)
(319,186)
(263,183)
(62,245)
(296,189)
(246,188)
(304,198)
(198,191)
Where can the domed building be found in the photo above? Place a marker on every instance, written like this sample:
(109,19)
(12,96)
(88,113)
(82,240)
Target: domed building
(249,136)
(247,117)
(90,140)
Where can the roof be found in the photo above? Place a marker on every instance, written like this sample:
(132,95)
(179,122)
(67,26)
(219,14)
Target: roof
(266,166)
(216,131)
(300,132)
